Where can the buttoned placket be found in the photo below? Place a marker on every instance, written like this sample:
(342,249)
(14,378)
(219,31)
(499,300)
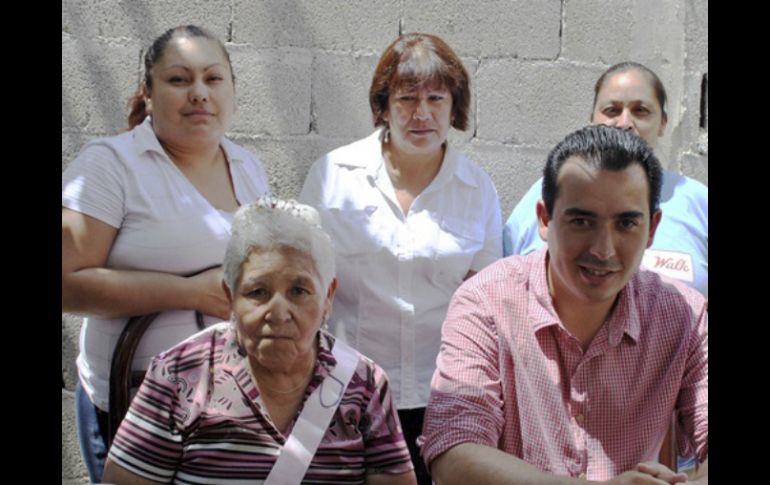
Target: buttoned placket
(405,254)
(405,245)
(578,405)
(579,364)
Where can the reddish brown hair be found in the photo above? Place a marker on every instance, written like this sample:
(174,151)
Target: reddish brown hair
(416,59)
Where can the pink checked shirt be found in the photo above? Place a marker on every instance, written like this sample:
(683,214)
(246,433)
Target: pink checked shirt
(510,376)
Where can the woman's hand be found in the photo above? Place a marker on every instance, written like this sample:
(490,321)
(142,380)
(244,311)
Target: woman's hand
(211,298)
(661,472)
(649,473)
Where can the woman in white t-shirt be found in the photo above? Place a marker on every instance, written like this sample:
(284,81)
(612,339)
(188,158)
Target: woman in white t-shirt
(410,217)
(145,208)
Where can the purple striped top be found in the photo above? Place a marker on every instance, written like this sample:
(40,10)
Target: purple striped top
(198,418)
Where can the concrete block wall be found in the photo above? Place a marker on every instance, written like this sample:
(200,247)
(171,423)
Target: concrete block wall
(303,69)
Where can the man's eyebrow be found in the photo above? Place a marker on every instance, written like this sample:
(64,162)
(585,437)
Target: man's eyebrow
(574,211)
(630,215)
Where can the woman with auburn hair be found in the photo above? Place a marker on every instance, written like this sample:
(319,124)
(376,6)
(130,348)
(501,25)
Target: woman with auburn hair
(411,218)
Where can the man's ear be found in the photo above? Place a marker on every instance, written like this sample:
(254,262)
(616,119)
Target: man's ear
(654,221)
(542,219)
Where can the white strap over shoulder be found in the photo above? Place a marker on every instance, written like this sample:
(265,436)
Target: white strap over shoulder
(311,425)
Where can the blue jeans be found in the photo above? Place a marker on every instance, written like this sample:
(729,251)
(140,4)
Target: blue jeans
(684,464)
(92,425)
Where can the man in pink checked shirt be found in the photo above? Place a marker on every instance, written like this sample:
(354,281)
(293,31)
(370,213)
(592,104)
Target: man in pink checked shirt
(566,364)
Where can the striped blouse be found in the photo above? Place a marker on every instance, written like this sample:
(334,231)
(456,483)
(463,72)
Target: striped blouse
(198,418)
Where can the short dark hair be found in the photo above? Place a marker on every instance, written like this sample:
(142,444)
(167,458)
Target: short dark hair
(657,85)
(604,148)
(414,59)
(138,102)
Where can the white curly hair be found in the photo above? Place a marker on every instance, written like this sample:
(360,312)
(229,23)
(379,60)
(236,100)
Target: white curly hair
(271,223)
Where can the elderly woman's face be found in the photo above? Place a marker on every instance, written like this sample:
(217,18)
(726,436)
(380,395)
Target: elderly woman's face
(419,118)
(278,307)
(192,95)
(627,100)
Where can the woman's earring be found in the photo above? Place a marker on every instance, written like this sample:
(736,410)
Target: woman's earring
(386,137)
(325,322)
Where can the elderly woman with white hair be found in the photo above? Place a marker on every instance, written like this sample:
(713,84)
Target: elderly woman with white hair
(269,395)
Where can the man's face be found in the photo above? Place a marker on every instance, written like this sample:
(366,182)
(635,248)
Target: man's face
(598,232)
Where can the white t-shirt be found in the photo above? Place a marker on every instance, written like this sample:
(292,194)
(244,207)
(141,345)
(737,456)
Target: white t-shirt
(165,225)
(397,273)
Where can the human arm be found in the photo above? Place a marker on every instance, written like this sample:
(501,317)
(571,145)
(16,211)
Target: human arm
(313,189)
(149,444)
(661,472)
(406,478)
(465,405)
(492,248)
(386,455)
(692,400)
(90,288)
(114,473)
(474,463)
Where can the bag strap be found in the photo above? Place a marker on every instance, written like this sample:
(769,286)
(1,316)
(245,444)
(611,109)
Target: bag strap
(313,421)
(122,379)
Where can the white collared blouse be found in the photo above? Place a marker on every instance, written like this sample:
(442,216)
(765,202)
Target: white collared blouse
(164,224)
(396,272)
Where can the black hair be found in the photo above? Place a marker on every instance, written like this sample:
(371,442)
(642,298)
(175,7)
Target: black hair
(605,148)
(138,102)
(657,85)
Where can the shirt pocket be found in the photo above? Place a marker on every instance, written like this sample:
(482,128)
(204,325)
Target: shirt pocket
(458,242)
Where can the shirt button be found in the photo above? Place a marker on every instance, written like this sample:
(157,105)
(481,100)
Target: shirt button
(580,419)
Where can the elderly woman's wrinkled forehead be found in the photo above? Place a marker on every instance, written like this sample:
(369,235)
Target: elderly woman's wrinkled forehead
(293,262)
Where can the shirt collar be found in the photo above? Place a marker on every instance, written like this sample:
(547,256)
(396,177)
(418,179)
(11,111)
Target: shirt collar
(146,140)
(452,167)
(624,319)
(541,312)
(232,152)
(365,153)
(625,316)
